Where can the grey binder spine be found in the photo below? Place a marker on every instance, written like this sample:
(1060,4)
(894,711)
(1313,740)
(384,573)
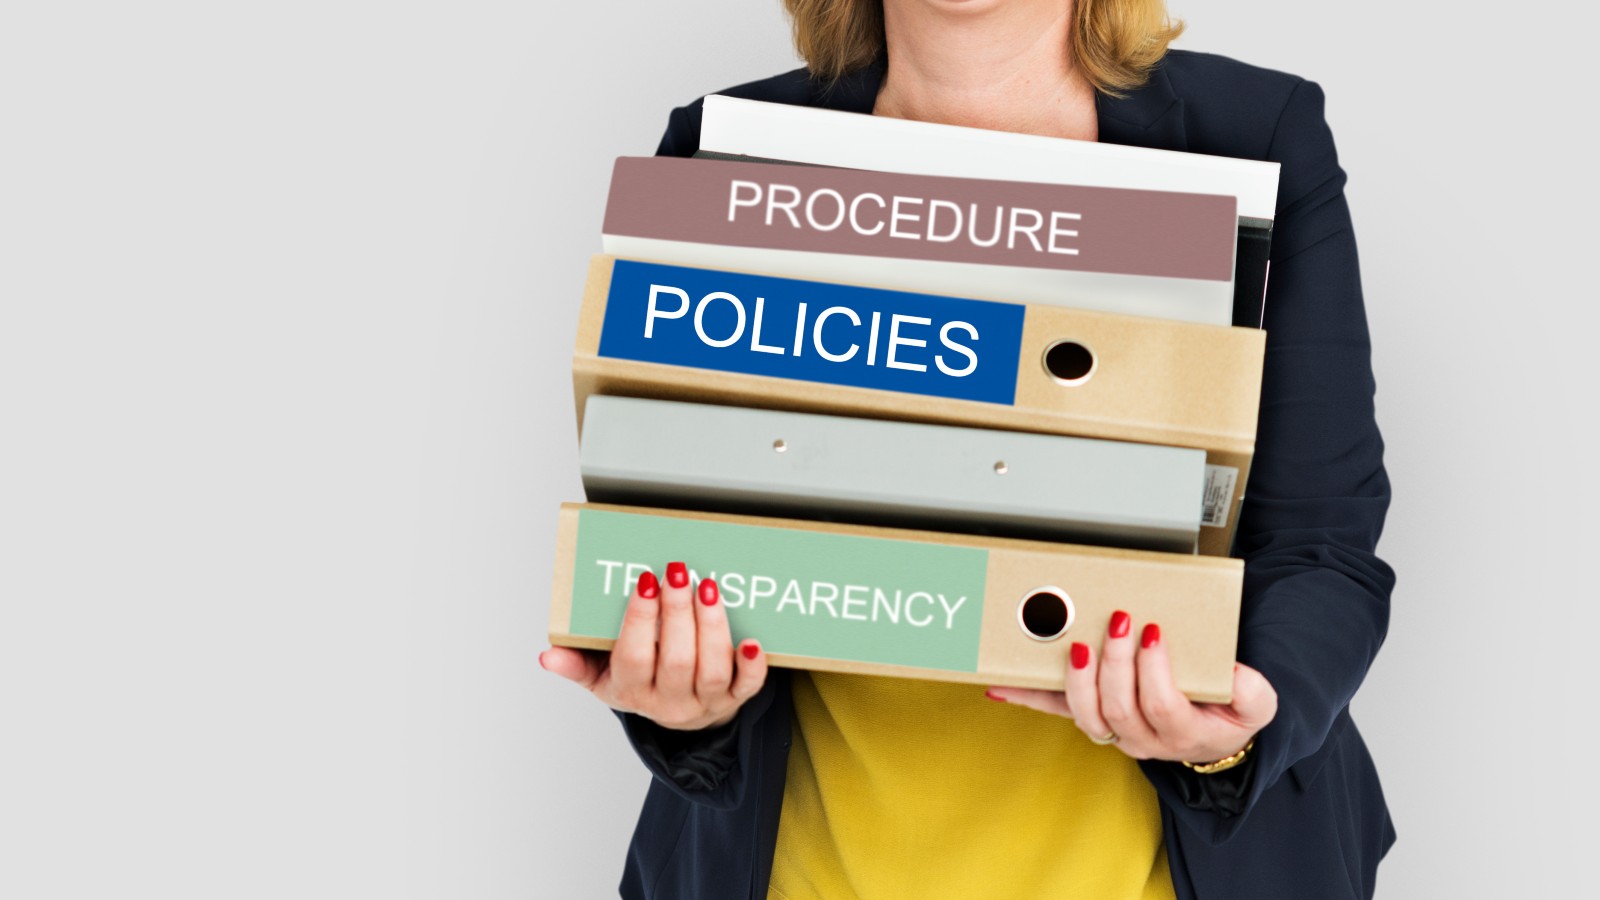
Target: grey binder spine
(873,471)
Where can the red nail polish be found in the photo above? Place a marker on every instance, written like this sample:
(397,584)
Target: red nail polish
(1151,636)
(750,649)
(1080,655)
(991,696)
(1120,621)
(708,592)
(649,588)
(677,574)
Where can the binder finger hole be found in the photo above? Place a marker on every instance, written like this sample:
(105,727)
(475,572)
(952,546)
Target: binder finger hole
(1045,613)
(1069,362)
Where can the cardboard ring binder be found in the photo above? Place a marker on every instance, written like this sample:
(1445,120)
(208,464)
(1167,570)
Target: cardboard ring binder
(1069,365)
(1035,618)
(835,597)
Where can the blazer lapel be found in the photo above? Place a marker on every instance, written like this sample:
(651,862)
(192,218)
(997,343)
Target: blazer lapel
(1149,116)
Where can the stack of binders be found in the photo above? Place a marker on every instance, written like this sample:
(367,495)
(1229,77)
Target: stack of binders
(926,401)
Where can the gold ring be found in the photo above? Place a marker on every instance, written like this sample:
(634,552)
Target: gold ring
(1110,738)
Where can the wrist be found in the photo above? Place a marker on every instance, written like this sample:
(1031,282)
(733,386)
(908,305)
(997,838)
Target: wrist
(721,721)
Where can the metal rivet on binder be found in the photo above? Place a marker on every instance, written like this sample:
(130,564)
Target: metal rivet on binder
(779,445)
(1000,468)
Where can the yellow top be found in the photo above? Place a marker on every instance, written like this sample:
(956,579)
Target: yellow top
(915,789)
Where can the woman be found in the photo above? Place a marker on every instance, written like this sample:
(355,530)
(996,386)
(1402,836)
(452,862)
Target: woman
(800,785)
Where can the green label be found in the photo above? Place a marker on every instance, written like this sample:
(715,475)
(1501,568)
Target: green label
(801,592)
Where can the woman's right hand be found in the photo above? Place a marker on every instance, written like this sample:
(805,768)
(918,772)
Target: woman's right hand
(690,678)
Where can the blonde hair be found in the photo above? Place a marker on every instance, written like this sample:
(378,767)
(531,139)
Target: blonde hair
(1115,43)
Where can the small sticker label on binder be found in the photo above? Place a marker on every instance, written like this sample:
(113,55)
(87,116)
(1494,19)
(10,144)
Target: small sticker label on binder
(1218,497)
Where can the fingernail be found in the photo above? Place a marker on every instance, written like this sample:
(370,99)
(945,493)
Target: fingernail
(541,660)
(649,587)
(1080,655)
(708,592)
(991,696)
(750,649)
(1151,636)
(677,574)
(1120,621)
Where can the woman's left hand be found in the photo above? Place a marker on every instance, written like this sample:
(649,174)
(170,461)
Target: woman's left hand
(1127,695)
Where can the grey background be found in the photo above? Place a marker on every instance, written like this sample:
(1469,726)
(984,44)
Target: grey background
(288,292)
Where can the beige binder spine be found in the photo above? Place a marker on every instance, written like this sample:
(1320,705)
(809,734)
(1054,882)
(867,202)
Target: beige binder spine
(1195,599)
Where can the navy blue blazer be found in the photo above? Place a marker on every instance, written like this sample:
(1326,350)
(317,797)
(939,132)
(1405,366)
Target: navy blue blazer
(1309,820)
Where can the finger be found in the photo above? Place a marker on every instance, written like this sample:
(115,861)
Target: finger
(1255,703)
(1119,699)
(714,661)
(633,657)
(676,652)
(1083,695)
(751,671)
(574,665)
(1176,722)
(1052,702)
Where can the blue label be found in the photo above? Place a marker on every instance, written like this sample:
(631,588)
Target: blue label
(812,331)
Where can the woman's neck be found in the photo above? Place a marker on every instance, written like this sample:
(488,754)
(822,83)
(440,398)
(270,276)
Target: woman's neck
(1005,66)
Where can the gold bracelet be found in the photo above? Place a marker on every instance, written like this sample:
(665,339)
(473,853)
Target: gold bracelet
(1223,764)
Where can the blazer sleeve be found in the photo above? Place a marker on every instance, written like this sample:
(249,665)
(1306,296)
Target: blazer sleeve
(709,767)
(682,137)
(1315,607)
(705,767)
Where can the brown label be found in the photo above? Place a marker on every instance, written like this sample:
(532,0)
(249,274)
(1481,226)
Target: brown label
(969,220)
